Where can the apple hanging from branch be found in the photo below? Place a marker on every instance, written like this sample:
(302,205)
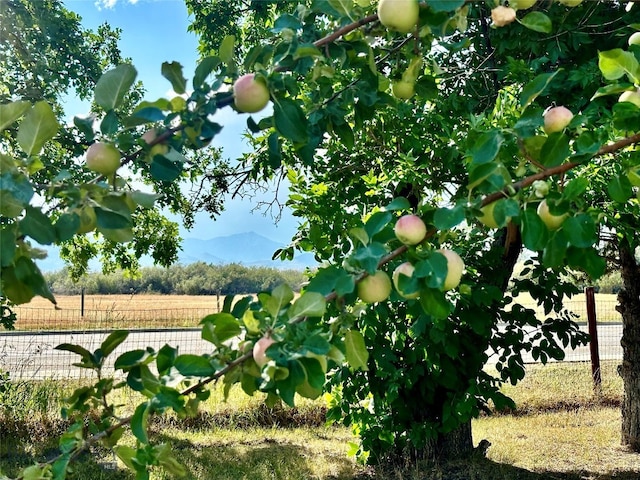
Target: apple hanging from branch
(407,269)
(455,266)
(250,94)
(374,288)
(260,349)
(410,229)
(556,119)
(399,15)
(103,158)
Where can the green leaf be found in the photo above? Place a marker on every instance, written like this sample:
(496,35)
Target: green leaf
(164,169)
(113,85)
(356,350)
(435,303)
(194,365)
(38,226)
(226,49)
(113,213)
(280,296)
(290,121)
(534,232)
(446,218)
(626,116)
(588,260)
(614,89)
(617,62)
(166,358)
(8,245)
(445,5)
(619,188)
(329,279)
(38,127)
(309,304)
(10,112)
(132,358)
(15,194)
(173,72)
(85,125)
(369,256)
(110,123)
(485,148)
(581,230)
(554,253)
(434,269)
(204,69)
(535,87)
(398,203)
(88,360)
(126,454)
(139,422)
(66,226)
(377,222)
(555,150)
(537,21)
(220,327)
(114,339)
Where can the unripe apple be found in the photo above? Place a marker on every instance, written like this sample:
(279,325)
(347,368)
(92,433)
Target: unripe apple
(88,219)
(407,269)
(410,229)
(403,90)
(552,222)
(488,217)
(570,3)
(250,95)
(103,158)
(455,266)
(632,96)
(259,350)
(157,149)
(501,16)
(634,39)
(556,119)
(399,15)
(374,288)
(522,4)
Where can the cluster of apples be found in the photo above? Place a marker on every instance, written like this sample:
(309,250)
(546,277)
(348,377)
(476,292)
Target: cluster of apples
(410,230)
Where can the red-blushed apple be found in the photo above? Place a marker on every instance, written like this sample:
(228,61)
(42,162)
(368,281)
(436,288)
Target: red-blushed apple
(407,269)
(103,158)
(455,266)
(570,3)
(501,16)
(552,222)
(634,39)
(632,96)
(399,15)
(522,4)
(374,288)
(259,350)
(250,94)
(410,229)
(556,119)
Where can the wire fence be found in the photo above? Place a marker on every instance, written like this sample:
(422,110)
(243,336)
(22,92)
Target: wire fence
(29,351)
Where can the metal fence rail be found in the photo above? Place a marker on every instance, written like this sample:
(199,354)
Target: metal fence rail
(29,351)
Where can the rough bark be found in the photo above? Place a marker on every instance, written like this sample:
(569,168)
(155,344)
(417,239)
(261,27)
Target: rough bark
(629,307)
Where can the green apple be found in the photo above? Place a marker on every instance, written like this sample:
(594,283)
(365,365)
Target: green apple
(402,89)
(407,269)
(88,219)
(455,266)
(103,158)
(260,349)
(374,288)
(488,216)
(634,39)
(410,229)
(522,4)
(570,3)
(552,222)
(157,149)
(250,94)
(632,96)
(501,16)
(556,119)
(399,15)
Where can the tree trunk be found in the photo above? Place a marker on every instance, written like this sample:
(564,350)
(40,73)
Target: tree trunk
(455,444)
(629,307)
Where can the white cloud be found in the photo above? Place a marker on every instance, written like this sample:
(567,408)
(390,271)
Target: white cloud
(109,4)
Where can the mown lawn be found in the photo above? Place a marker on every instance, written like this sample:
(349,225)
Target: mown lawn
(560,430)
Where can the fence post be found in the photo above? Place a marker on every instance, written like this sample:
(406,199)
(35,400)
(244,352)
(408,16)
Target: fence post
(589,294)
(82,302)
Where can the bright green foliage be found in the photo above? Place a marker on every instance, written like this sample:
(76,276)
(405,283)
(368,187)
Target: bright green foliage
(408,374)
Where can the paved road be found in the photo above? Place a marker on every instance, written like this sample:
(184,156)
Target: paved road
(32,355)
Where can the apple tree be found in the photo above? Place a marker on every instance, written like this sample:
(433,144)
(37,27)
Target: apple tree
(425,141)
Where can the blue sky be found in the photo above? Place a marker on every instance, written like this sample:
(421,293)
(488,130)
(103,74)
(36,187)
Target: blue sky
(155,31)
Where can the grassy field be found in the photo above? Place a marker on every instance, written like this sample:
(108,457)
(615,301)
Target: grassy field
(159,311)
(559,431)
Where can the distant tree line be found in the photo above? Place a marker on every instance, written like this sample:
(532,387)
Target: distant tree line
(193,279)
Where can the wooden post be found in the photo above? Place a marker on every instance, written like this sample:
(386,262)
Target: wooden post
(82,302)
(593,344)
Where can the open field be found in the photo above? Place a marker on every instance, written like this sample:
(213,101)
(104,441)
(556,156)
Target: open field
(161,311)
(559,431)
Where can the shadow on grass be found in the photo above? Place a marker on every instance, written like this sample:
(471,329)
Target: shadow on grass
(479,468)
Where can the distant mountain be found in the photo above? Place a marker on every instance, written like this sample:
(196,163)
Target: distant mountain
(250,249)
